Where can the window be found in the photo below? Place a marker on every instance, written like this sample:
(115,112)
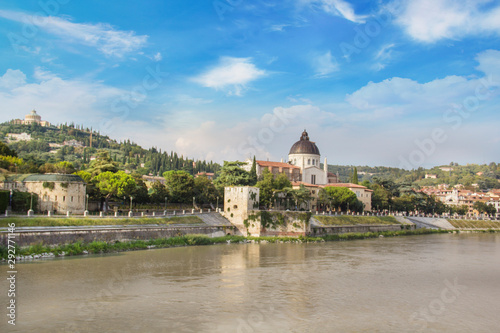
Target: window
(309,162)
(71,199)
(313,179)
(64,199)
(314,162)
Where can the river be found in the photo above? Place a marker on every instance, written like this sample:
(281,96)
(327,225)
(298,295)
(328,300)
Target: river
(440,283)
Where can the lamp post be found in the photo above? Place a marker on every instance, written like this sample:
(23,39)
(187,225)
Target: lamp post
(10,200)
(30,212)
(347,208)
(165,203)
(217,207)
(131,198)
(193,202)
(87,203)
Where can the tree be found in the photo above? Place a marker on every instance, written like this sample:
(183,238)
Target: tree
(482,207)
(180,185)
(64,167)
(301,196)
(342,198)
(204,190)
(116,184)
(354,178)
(266,187)
(159,192)
(232,174)
(103,163)
(253,172)
(6,151)
(281,181)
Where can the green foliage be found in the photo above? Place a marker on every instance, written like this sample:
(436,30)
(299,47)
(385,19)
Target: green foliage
(6,151)
(354,178)
(21,201)
(232,174)
(343,198)
(59,221)
(355,220)
(117,184)
(204,190)
(11,163)
(49,185)
(159,193)
(482,207)
(180,186)
(253,172)
(4,200)
(103,163)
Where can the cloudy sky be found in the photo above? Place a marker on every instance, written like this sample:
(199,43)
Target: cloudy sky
(395,83)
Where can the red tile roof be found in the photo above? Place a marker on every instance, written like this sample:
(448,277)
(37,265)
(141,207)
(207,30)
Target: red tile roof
(345,185)
(276,164)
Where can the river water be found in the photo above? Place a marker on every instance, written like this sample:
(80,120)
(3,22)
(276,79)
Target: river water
(441,283)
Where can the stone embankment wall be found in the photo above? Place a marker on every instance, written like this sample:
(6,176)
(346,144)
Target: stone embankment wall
(58,237)
(334,230)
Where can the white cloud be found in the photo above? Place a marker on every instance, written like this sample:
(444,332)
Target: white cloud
(325,64)
(157,57)
(102,36)
(432,20)
(339,8)
(58,100)
(12,79)
(231,75)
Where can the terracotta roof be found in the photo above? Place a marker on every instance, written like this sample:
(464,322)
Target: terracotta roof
(346,185)
(276,164)
(305,184)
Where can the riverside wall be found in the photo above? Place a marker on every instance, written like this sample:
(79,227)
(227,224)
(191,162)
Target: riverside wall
(335,230)
(66,236)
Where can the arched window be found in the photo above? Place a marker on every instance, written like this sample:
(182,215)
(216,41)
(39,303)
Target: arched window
(309,162)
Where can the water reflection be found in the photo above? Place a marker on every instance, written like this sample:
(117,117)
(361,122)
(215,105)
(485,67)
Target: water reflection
(389,285)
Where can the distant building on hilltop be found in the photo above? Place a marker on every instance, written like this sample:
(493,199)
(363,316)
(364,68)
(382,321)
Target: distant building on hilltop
(31,118)
(13,137)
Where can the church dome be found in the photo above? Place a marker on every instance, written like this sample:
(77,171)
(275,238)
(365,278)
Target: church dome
(304,146)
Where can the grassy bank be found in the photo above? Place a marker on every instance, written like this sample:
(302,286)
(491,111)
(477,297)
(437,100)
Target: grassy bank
(475,224)
(355,220)
(190,240)
(63,221)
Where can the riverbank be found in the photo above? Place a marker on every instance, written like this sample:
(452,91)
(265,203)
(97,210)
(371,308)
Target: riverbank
(40,251)
(87,221)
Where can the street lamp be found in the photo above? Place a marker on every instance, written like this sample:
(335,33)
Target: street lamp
(31,204)
(165,203)
(87,203)
(217,207)
(193,202)
(10,200)
(131,198)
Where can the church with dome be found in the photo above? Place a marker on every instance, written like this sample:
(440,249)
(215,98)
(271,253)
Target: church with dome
(303,168)
(303,165)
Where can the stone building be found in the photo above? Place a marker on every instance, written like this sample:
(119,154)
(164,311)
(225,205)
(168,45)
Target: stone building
(58,193)
(241,208)
(31,118)
(305,154)
(303,164)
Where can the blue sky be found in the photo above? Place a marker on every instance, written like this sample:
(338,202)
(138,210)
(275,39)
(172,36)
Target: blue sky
(395,83)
